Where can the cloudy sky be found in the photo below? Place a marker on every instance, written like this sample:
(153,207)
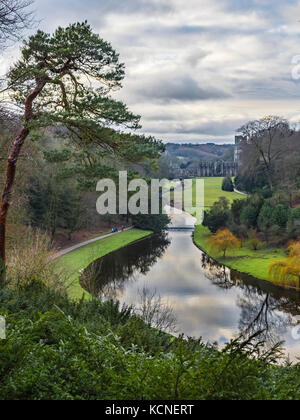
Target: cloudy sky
(196,69)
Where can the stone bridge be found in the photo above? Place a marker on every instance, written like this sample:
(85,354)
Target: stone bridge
(180,220)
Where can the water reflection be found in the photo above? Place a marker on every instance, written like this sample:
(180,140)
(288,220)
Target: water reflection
(209,300)
(108,276)
(265,309)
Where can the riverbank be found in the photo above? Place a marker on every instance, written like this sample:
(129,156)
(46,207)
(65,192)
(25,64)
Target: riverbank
(73,262)
(244,260)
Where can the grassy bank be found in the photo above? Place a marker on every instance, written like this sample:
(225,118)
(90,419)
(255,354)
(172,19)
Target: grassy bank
(245,260)
(80,258)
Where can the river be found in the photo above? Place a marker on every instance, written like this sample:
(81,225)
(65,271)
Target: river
(208,300)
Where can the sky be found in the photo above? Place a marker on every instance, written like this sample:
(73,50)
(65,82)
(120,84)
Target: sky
(196,70)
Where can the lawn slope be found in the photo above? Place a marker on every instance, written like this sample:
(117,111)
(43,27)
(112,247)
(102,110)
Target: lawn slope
(81,258)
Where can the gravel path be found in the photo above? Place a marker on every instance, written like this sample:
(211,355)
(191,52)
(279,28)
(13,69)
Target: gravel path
(239,192)
(72,248)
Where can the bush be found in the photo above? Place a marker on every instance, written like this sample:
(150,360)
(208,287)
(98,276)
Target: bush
(155,222)
(218,216)
(280,215)
(293,225)
(58,349)
(227,184)
(29,262)
(255,244)
(249,216)
(264,219)
(236,210)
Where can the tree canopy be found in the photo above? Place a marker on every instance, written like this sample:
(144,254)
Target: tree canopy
(64,82)
(15,16)
(73,72)
(224,240)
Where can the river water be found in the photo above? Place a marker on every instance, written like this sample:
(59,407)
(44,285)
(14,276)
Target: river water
(208,300)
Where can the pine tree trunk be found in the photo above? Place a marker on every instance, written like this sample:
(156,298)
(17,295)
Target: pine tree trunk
(8,188)
(11,173)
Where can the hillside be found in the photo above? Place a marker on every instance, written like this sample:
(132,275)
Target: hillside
(208,151)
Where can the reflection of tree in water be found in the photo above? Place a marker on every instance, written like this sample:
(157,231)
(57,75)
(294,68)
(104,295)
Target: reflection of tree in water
(106,277)
(260,312)
(218,274)
(264,307)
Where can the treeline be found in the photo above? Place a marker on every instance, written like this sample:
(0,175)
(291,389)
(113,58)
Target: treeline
(271,219)
(269,156)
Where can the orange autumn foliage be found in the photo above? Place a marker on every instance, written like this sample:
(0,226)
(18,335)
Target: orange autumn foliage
(287,270)
(223,241)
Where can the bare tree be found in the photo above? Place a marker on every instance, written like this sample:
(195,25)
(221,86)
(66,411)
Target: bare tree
(15,16)
(264,142)
(287,168)
(155,312)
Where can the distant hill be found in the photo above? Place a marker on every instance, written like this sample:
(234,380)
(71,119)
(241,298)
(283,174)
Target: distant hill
(208,151)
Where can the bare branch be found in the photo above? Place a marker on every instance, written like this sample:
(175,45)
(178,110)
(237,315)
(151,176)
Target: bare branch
(15,17)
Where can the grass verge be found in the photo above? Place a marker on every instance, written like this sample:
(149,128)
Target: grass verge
(81,258)
(244,260)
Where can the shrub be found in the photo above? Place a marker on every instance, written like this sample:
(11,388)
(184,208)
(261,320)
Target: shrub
(280,215)
(155,222)
(249,216)
(227,184)
(293,225)
(29,262)
(218,216)
(264,218)
(58,349)
(255,244)
(287,270)
(236,210)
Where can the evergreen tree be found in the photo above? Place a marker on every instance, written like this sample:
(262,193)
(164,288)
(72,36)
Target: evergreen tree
(51,82)
(249,215)
(227,184)
(280,215)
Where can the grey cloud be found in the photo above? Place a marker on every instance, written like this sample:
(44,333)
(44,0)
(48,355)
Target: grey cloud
(179,89)
(127,6)
(97,10)
(272,88)
(213,128)
(210,128)
(211,60)
(195,56)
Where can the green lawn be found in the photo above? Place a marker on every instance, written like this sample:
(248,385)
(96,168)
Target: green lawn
(212,192)
(245,260)
(71,263)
